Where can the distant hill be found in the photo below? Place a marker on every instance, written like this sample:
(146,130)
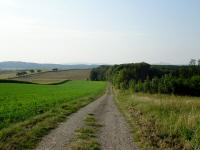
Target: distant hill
(16,65)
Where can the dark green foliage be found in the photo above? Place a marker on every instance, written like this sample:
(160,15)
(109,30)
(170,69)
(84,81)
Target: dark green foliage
(27,82)
(55,69)
(21,73)
(15,81)
(32,71)
(99,74)
(142,77)
(169,84)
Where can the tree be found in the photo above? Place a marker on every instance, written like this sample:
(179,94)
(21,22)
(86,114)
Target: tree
(21,73)
(32,71)
(192,62)
(142,77)
(147,85)
(55,69)
(154,85)
(99,73)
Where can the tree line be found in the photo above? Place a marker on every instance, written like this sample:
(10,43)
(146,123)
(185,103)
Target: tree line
(26,72)
(23,73)
(143,77)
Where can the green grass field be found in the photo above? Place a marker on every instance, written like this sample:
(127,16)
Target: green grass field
(162,121)
(28,111)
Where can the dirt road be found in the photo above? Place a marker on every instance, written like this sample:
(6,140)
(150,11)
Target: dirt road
(114,135)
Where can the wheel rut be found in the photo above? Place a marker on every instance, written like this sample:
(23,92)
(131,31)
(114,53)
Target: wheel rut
(114,133)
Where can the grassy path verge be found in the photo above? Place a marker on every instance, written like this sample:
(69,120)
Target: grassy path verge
(86,137)
(162,121)
(28,112)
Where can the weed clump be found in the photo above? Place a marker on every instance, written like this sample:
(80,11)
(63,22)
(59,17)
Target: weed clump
(86,137)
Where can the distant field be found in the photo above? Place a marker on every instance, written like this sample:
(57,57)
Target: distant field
(27,111)
(7,74)
(162,121)
(51,77)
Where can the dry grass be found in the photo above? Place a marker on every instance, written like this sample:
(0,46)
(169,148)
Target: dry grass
(86,137)
(52,77)
(7,74)
(162,121)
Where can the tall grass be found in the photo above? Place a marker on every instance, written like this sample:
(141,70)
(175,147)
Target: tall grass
(163,121)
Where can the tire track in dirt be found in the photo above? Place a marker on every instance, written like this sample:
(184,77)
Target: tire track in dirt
(114,135)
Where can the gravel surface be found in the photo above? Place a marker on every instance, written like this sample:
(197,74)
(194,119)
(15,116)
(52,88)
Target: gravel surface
(114,134)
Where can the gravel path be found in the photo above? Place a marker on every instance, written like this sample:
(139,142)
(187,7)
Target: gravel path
(114,135)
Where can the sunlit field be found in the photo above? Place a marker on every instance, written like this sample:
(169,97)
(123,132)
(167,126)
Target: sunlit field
(162,121)
(28,111)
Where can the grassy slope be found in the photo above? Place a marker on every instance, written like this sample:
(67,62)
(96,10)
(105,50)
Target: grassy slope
(7,74)
(162,121)
(27,111)
(51,77)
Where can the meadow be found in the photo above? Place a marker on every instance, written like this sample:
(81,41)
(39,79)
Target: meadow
(161,121)
(28,111)
(56,76)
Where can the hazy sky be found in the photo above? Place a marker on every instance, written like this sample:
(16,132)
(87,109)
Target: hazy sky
(100,31)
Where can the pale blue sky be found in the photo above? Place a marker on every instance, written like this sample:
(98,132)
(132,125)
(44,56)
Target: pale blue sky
(100,31)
